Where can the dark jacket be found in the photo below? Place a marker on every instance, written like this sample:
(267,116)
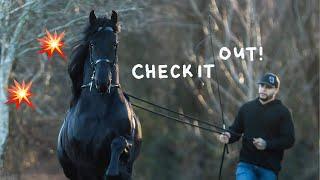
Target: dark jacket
(271,122)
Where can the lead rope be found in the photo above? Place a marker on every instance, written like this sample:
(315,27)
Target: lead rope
(219,129)
(225,148)
(178,119)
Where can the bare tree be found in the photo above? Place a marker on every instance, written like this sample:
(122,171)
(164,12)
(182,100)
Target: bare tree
(10,35)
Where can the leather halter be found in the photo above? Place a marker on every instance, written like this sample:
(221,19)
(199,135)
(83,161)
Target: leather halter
(93,65)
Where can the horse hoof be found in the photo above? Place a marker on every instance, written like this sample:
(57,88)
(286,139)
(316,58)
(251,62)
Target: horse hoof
(119,144)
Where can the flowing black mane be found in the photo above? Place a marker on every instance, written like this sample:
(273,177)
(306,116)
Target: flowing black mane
(80,52)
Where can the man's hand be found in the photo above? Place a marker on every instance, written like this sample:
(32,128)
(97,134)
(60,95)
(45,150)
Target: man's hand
(260,143)
(224,137)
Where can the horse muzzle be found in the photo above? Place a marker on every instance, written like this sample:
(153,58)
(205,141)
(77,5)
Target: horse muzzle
(104,87)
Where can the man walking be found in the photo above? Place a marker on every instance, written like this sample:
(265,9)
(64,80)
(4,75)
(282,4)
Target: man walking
(267,130)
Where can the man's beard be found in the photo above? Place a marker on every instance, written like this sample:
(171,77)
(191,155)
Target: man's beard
(267,98)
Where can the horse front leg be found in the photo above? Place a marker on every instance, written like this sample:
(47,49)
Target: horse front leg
(118,145)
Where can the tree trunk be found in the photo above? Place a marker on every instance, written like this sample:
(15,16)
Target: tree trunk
(9,45)
(5,69)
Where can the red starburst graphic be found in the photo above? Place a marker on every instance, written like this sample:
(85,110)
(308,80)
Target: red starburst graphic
(51,43)
(19,93)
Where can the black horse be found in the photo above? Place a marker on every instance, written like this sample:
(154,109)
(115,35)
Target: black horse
(101,136)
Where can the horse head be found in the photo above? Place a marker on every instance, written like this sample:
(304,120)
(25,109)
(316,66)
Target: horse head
(98,49)
(103,43)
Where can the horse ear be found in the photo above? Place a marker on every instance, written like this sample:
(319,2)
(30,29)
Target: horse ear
(114,17)
(92,18)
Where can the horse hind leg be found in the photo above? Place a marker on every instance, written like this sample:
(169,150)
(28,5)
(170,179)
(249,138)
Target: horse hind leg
(118,145)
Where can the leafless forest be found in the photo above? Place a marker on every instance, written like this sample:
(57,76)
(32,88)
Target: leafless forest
(163,32)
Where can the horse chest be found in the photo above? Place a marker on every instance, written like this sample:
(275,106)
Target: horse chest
(94,126)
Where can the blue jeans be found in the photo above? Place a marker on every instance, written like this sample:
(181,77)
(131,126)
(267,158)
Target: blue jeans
(246,171)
